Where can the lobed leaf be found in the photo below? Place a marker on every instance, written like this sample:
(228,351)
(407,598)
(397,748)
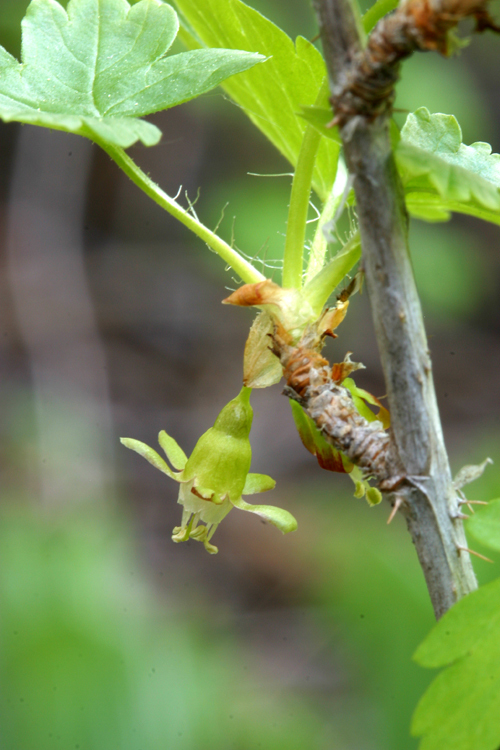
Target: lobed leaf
(460,709)
(441,174)
(273,94)
(99,66)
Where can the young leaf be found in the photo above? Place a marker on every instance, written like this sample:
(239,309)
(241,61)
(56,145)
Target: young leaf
(484,525)
(441,174)
(272,94)
(359,396)
(99,66)
(460,710)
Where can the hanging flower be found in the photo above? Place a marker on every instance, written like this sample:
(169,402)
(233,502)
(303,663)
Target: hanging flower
(216,475)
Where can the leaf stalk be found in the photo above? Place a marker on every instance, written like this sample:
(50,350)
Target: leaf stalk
(237,262)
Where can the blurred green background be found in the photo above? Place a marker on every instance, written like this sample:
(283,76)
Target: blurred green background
(112,636)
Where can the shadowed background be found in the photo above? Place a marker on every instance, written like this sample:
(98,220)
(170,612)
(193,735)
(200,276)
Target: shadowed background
(111,325)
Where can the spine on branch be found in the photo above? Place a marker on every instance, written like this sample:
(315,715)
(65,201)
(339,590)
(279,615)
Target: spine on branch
(362,81)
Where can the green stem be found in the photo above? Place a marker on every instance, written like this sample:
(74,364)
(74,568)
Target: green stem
(378,10)
(243,268)
(299,207)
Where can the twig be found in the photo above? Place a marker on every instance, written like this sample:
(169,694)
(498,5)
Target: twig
(365,87)
(429,499)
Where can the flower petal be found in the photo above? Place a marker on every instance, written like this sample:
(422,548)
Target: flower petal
(258,483)
(172,450)
(282,519)
(150,455)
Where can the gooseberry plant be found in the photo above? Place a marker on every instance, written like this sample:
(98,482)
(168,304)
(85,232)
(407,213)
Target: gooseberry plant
(98,67)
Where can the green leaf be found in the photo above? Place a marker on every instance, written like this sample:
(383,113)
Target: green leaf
(282,519)
(431,207)
(172,450)
(95,69)
(360,396)
(320,118)
(460,710)
(150,455)
(272,94)
(484,525)
(321,115)
(433,161)
(258,483)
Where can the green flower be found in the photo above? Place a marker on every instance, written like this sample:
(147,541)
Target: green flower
(216,475)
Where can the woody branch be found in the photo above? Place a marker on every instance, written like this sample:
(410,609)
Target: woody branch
(361,82)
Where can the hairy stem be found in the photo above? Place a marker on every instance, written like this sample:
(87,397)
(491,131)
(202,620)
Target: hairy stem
(240,265)
(429,500)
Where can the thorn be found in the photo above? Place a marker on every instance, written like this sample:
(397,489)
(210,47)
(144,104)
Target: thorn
(461,515)
(471,552)
(397,505)
(472,502)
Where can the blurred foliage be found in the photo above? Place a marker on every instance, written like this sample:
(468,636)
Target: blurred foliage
(372,595)
(460,708)
(90,659)
(452,278)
